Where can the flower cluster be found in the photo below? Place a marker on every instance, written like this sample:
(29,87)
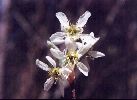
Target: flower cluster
(77,45)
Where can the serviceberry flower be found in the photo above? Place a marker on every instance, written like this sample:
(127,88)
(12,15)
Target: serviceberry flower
(75,50)
(73,31)
(77,46)
(55,73)
(70,57)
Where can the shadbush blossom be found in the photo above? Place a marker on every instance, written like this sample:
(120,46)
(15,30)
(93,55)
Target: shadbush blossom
(56,73)
(69,30)
(77,45)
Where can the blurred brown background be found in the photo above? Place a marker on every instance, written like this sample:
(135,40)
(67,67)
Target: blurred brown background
(25,26)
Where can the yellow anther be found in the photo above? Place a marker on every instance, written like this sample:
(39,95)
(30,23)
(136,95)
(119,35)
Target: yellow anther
(72,30)
(72,57)
(54,72)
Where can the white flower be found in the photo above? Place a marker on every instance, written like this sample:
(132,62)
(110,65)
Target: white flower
(75,50)
(55,73)
(70,58)
(68,29)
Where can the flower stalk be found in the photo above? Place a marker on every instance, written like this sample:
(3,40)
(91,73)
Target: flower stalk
(74,92)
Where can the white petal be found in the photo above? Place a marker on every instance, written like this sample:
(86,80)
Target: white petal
(89,39)
(85,61)
(57,38)
(79,45)
(52,45)
(83,19)
(57,53)
(62,62)
(48,83)
(95,39)
(51,61)
(42,65)
(92,34)
(58,41)
(96,54)
(62,19)
(84,49)
(70,44)
(82,68)
(63,83)
(65,72)
(80,54)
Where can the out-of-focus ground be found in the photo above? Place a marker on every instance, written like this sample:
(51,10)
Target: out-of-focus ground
(25,26)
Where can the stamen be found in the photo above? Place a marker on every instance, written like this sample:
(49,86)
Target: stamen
(72,30)
(54,72)
(72,57)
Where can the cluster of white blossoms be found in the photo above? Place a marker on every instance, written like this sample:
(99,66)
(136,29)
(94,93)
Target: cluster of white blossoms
(77,45)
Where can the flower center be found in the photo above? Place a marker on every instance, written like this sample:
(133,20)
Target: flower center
(72,57)
(72,30)
(54,72)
